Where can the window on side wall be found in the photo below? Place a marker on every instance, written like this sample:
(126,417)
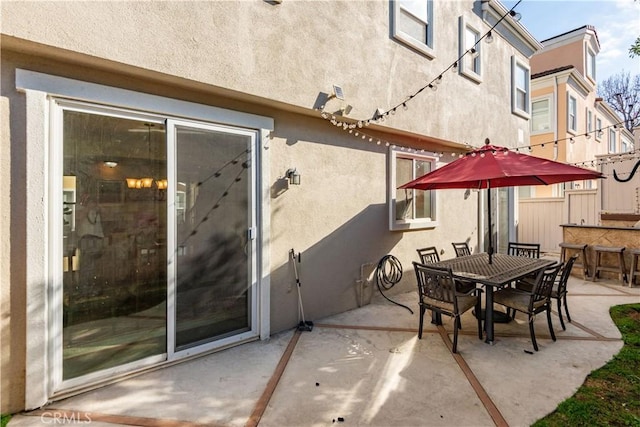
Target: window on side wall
(612,141)
(625,145)
(412,23)
(520,87)
(410,209)
(471,63)
(541,115)
(589,123)
(598,129)
(590,58)
(572,114)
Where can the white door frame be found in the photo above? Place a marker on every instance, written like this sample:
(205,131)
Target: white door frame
(42,192)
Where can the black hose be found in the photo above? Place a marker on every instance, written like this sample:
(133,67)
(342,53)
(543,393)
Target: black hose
(388,273)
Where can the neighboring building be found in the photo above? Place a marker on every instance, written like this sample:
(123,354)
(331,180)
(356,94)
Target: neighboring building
(569,122)
(146,154)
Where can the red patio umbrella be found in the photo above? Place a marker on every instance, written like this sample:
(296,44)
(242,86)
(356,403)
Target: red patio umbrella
(491,166)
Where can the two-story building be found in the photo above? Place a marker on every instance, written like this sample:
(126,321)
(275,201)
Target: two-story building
(570,123)
(163,161)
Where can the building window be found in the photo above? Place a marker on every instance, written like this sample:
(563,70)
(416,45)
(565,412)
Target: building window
(413,24)
(590,58)
(572,114)
(589,122)
(541,115)
(520,89)
(612,141)
(598,129)
(626,145)
(471,63)
(410,209)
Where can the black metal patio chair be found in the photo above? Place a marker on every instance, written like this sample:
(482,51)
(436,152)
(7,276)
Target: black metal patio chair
(461,249)
(532,302)
(440,292)
(559,290)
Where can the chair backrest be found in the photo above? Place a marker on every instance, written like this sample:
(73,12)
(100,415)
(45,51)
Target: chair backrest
(428,255)
(544,284)
(461,249)
(564,275)
(531,250)
(436,283)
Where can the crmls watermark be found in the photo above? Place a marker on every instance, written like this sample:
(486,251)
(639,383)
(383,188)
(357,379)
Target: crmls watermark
(57,418)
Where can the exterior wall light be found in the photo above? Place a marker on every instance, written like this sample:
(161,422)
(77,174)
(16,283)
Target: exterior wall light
(294,176)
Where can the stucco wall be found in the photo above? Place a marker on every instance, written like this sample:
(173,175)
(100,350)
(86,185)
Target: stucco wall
(286,53)
(567,54)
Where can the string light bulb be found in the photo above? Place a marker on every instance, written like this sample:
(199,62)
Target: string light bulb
(489,38)
(515,15)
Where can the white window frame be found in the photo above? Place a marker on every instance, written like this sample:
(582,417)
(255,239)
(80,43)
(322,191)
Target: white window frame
(572,114)
(613,145)
(625,145)
(549,127)
(426,47)
(516,65)
(393,184)
(598,129)
(589,117)
(473,72)
(42,91)
(590,63)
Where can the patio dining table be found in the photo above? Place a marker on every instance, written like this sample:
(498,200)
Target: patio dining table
(503,270)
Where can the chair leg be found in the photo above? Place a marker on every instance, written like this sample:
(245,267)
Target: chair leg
(566,308)
(553,335)
(459,322)
(455,334)
(422,310)
(560,314)
(479,318)
(533,333)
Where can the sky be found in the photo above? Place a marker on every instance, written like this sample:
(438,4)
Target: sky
(617,23)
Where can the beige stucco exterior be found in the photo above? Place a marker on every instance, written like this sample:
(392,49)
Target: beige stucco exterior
(558,72)
(270,60)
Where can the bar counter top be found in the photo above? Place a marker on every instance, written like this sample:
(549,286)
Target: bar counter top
(606,227)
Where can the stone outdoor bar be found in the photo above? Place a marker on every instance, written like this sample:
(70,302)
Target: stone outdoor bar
(617,230)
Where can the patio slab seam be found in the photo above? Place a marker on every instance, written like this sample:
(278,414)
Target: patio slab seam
(263,401)
(487,402)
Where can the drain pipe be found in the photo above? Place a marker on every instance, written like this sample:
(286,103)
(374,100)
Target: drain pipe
(555,128)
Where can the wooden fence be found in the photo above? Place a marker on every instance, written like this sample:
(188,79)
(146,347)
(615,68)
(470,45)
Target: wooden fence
(539,219)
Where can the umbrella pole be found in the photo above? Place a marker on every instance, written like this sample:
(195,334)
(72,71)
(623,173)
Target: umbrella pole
(489,218)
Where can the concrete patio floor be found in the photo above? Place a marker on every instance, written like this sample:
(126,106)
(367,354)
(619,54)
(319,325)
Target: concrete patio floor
(367,367)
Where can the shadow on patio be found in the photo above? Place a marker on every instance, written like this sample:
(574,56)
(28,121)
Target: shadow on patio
(367,367)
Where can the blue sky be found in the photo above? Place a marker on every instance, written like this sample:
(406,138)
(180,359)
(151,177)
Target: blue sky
(617,23)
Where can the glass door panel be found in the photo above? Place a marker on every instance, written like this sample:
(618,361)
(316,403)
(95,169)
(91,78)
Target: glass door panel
(213,208)
(114,242)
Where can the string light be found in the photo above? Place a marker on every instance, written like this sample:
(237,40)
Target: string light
(380,117)
(380,114)
(489,37)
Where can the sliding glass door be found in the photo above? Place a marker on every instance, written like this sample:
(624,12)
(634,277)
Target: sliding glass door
(114,308)
(214,231)
(157,240)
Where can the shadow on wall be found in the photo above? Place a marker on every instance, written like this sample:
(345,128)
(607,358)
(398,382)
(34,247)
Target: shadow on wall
(329,269)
